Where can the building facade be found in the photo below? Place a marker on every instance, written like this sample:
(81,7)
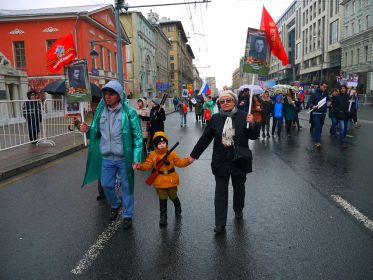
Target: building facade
(180,55)
(141,56)
(28,34)
(211,81)
(357,42)
(310,32)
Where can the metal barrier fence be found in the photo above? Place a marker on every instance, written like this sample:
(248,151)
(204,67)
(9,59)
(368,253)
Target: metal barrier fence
(33,121)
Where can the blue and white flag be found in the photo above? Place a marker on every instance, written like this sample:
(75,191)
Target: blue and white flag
(204,88)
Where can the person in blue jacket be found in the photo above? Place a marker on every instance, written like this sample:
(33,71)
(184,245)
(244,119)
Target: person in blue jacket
(278,114)
(318,113)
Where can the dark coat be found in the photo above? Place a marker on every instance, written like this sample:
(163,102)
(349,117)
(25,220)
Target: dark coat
(267,109)
(340,106)
(289,110)
(222,163)
(157,117)
(316,98)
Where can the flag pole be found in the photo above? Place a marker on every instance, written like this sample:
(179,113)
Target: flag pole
(82,116)
(251,98)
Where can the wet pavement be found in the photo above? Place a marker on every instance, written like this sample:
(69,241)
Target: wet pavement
(292,228)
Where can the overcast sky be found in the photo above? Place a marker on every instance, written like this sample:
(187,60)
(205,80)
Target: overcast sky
(222,22)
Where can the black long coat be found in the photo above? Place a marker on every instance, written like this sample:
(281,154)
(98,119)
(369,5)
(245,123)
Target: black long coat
(222,163)
(157,118)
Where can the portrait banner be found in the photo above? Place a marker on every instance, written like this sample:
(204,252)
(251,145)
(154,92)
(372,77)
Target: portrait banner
(77,83)
(256,59)
(71,109)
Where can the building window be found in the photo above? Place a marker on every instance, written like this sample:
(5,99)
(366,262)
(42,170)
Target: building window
(172,66)
(366,53)
(49,43)
(352,57)
(352,28)
(323,5)
(359,25)
(115,62)
(319,5)
(172,76)
(109,60)
(358,55)
(172,57)
(345,59)
(102,57)
(367,21)
(333,32)
(346,31)
(336,6)
(19,54)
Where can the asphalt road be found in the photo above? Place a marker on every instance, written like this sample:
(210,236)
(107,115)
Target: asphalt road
(292,228)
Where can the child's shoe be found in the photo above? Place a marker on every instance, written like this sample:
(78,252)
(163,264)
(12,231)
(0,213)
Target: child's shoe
(177,205)
(163,210)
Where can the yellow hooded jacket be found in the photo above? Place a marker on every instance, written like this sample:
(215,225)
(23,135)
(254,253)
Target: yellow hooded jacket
(163,181)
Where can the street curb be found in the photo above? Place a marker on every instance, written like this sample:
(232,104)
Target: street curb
(23,168)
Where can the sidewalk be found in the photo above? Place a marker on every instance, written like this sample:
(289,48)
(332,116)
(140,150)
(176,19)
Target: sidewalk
(20,159)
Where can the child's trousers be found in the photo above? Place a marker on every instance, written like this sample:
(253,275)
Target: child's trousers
(167,193)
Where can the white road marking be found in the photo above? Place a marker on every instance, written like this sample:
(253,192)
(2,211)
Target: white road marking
(354,212)
(96,248)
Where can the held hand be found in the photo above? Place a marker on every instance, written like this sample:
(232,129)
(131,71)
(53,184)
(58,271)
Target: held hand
(190,159)
(84,127)
(314,107)
(135,165)
(250,119)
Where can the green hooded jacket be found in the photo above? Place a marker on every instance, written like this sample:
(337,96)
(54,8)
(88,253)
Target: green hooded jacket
(131,135)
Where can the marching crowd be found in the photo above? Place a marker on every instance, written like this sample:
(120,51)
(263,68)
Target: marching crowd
(124,139)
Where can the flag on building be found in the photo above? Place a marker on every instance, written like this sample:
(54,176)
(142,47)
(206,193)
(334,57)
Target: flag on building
(204,89)
(269,27)
(61,53)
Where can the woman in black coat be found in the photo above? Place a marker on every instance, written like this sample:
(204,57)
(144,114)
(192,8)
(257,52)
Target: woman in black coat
(231,155)
(157,118)
(340,104)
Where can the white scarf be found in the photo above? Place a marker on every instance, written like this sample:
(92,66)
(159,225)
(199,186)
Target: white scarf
(228,132)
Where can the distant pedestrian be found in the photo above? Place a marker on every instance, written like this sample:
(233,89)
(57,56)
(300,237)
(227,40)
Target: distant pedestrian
(208,107)
(340,107)
(157,118)
(266,113)
(278,114)
(319,111)
(231,156)
(115,146)
(31,110)
(176,101)
(183,111)
(355,104)
(333,113)
(198,110)
(143,113)
(257,109)
(167,180)
(289,110)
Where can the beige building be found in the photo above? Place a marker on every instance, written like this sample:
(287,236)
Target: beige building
(181,54)
(211,81)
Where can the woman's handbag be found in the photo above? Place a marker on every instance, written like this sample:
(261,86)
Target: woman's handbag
(242,154)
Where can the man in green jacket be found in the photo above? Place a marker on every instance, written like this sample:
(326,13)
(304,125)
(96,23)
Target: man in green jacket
(115,147)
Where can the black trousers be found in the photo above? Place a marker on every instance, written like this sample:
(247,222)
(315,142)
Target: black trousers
(221,196)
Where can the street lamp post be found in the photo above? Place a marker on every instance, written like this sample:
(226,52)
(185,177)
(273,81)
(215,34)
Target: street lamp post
(118,6)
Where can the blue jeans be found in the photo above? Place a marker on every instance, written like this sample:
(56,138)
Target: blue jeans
(109,170)
(334,124)
(318,122)
(342,130)
(183,119)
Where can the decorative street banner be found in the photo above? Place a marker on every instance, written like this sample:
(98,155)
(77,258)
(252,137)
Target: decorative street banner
(256,53)
(77,83)
(349,80)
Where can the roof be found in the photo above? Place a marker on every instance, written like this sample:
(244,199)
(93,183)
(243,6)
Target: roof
(175,22)
(51,11)
(189,49)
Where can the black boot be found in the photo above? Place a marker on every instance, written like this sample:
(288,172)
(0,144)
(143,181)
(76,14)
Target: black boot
(163,210)
(177,205)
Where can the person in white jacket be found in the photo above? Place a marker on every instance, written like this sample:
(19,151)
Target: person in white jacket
(143,112)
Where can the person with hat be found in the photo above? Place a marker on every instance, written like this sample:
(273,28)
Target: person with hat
(115,147)
(231,157)
(167,180)
(157,118)
(31,110)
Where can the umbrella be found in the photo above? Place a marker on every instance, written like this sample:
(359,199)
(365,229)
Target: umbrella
(59,87)
(253,88)
(283,89)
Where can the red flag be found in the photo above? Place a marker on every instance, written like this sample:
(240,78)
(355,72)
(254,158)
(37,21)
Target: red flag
(269,27)
(62,52)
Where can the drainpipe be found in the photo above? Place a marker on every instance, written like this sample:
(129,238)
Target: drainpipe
(75,35)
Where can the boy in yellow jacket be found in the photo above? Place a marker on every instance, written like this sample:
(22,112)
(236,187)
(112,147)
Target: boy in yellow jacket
(167,180)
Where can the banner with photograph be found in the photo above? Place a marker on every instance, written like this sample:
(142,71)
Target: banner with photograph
(256,59)
(77,82)
(71,109)
(349,80)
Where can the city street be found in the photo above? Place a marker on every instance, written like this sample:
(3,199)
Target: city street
(308,215)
